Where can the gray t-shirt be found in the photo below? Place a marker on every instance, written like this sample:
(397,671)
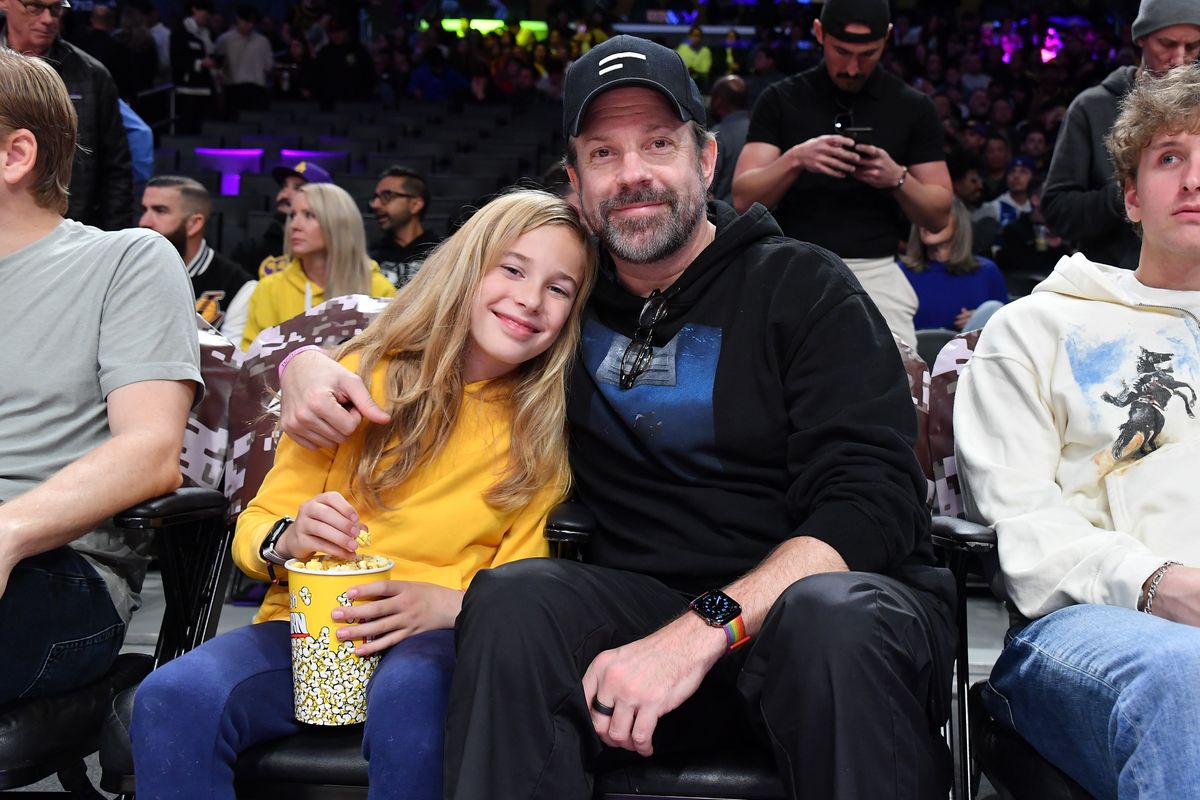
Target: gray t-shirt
(85,312)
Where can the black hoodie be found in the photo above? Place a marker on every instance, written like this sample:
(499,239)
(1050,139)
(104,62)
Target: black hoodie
(777,406)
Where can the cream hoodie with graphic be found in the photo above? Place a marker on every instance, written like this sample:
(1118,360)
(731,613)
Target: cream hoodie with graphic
(1074,438)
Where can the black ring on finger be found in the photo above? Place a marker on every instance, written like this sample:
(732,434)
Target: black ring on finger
(600,708)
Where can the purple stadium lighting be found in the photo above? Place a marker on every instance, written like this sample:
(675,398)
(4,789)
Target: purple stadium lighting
(231,162)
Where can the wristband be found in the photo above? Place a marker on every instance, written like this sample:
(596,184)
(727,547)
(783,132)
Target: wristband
(903,178)
(735,633)
(288,358)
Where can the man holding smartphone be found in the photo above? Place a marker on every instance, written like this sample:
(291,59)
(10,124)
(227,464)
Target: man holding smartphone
(850,193)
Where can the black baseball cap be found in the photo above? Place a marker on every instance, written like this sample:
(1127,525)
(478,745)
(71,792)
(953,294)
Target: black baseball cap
(629,61)
(837,15)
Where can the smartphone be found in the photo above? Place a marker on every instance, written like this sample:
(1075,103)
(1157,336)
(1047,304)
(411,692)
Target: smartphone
(860,134)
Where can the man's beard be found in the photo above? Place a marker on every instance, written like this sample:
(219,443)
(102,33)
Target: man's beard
(646,240)
(388,225)
(178,238)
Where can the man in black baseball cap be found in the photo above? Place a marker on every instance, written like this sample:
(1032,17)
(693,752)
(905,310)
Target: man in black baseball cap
(841,150)
(790,515)
(741,427)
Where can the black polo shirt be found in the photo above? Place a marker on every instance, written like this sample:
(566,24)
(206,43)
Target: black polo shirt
(846,215)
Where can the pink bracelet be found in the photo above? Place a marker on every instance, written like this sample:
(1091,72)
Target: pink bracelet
(288,358)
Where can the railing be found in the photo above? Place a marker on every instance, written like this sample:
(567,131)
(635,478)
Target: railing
(156,106)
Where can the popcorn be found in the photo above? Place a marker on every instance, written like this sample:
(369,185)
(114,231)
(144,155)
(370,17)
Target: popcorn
(364,538)
(330,564)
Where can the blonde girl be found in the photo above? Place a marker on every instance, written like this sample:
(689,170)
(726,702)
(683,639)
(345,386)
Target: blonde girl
(469,363)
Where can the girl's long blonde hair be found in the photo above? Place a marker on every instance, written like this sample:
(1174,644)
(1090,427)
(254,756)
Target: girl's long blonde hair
(345,240)
(423,334)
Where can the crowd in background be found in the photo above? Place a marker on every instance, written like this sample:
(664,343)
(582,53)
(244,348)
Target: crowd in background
(1001,80)
(1012,75)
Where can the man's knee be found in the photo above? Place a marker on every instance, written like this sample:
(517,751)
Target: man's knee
(518,593)
(831,613)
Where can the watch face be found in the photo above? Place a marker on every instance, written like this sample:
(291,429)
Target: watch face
(717,608)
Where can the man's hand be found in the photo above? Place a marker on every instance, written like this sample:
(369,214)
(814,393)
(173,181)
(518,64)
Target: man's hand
(649,678)
(829,155)
(325,524)
(1178,595)
(405,608)
(323,402)
(877,169)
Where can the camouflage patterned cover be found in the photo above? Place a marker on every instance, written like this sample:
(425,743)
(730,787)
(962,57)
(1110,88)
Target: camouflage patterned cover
(253,404)
(949,365)
(202,461)
(918,386)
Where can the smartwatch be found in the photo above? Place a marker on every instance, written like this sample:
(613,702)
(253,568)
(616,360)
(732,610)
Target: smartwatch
(268,552)
(719,610)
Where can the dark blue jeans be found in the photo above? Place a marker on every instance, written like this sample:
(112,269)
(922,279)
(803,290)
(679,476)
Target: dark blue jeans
(58,627)
(193,716)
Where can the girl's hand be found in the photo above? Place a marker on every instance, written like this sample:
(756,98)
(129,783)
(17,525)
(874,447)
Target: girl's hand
(404,608)
(326,524)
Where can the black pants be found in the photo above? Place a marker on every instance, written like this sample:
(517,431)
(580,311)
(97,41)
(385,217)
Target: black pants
(848,681)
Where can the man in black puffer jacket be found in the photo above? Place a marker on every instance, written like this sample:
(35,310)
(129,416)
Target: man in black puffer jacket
(102,177)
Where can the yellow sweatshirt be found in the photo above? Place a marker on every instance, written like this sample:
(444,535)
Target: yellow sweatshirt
(439,529)
(280,296)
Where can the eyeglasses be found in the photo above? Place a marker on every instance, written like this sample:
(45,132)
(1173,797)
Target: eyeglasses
(386,197)
(36,9)
(640,350)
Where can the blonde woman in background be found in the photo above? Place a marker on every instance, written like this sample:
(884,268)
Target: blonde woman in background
(328,258)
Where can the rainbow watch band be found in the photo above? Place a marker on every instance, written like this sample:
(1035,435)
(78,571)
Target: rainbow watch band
(735,633)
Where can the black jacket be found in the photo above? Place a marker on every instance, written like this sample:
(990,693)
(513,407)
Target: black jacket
(187,51)
(216,284)
(777,406)
(102,177)
(1082,201)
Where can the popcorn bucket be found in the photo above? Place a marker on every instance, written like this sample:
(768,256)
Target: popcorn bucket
(329,681)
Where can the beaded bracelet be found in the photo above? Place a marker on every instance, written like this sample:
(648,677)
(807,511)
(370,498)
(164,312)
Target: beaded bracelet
(1155,579)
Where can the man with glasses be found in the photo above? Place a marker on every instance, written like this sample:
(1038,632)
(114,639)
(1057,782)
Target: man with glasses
(844,151)
(102,176)
(742,429)
(399,204)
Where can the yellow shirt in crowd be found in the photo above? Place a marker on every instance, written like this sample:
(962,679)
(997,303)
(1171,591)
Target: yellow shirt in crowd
(438,529)
(281,295)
